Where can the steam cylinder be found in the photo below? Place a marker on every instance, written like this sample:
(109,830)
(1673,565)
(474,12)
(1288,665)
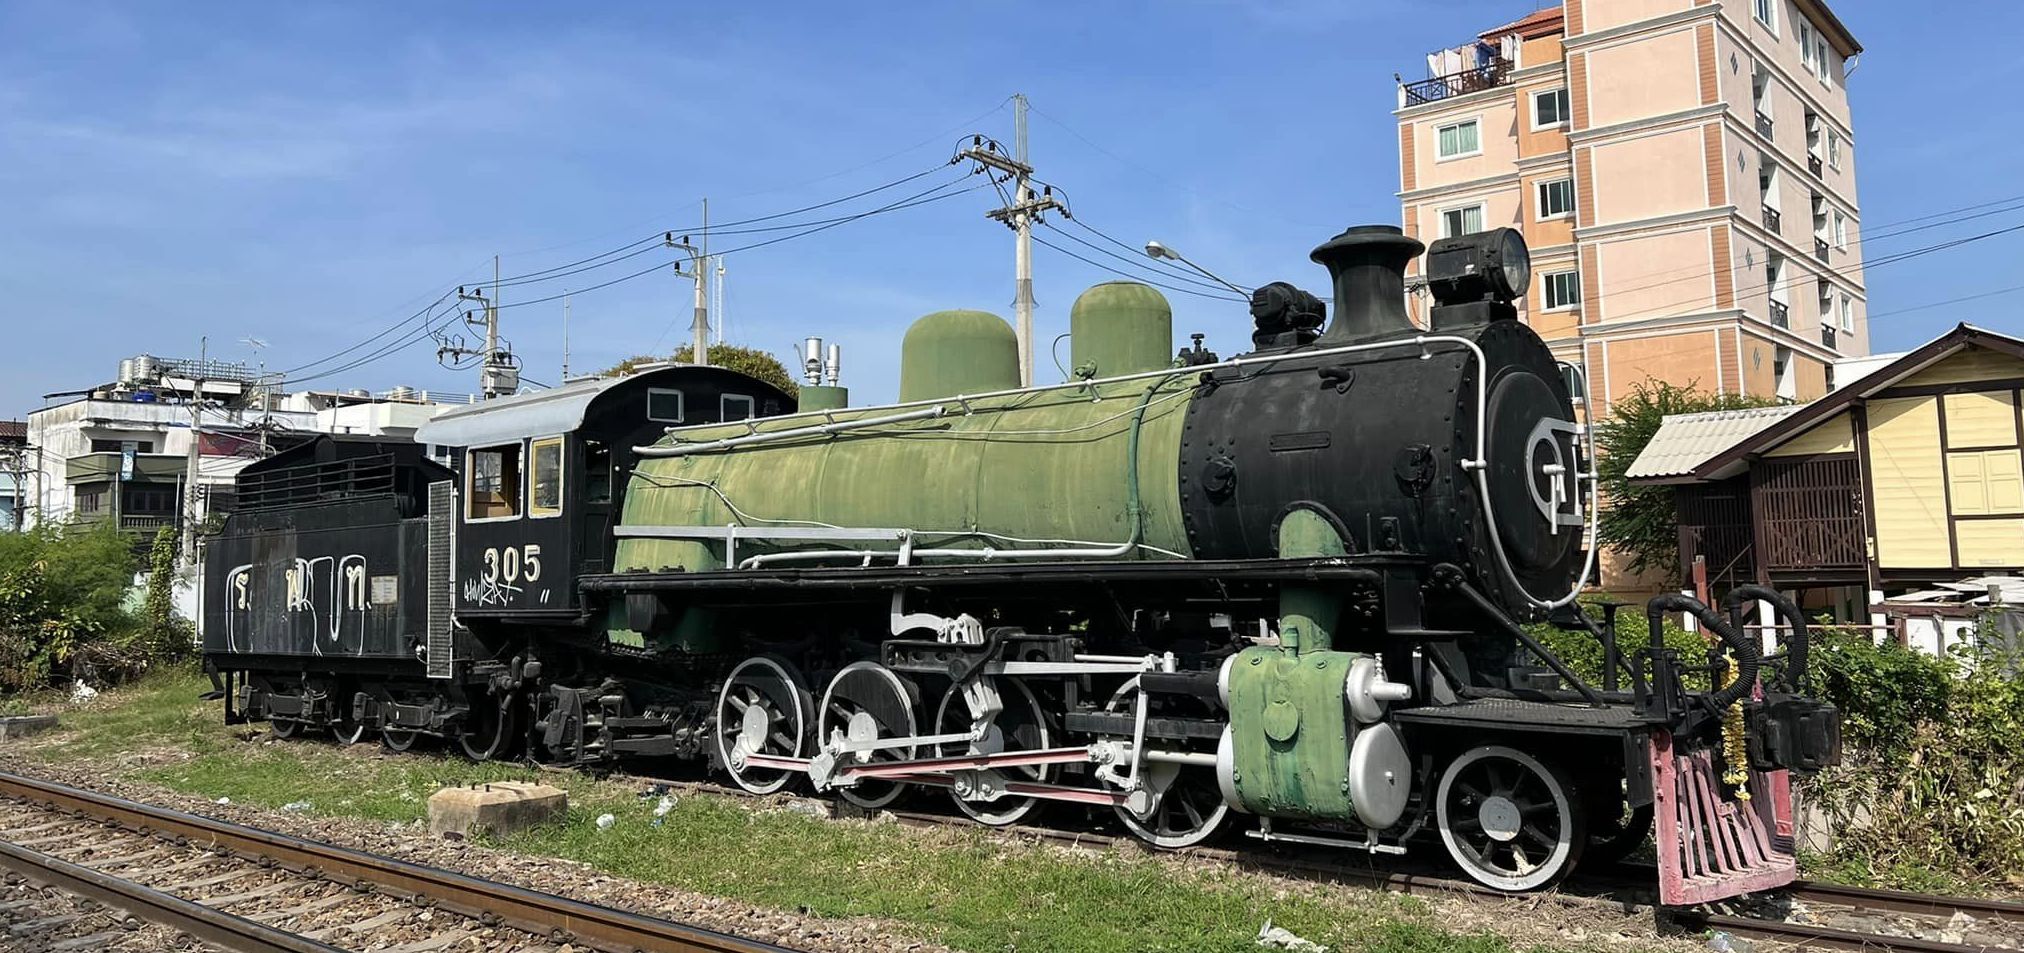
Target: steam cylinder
(958,352)
(1120,327)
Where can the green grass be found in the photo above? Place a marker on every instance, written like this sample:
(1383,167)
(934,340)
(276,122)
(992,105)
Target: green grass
(973,890)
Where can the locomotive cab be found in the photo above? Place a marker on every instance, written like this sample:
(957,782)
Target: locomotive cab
(542,476)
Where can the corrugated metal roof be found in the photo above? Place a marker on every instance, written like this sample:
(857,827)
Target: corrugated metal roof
(1686,441)
(534,414)
(13,430)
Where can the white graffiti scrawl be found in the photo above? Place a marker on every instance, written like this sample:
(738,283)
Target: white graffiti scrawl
(327,596)
(505,569)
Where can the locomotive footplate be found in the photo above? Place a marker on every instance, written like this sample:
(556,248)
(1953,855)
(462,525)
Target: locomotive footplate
(928,656)
(1357,569)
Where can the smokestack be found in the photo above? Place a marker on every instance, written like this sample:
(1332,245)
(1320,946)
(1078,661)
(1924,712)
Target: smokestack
(811,360)
(1368,265)
(832,369)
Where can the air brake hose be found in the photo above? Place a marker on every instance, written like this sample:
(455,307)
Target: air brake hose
(1795,645)
(1747,656)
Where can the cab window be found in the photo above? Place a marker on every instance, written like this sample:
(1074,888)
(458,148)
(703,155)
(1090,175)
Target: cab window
(494,488)
(737,407)
(544,483)
(596,472)
(664,404)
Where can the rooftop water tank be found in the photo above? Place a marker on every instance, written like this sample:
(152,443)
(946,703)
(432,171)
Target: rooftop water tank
(1120,327)
(948,353)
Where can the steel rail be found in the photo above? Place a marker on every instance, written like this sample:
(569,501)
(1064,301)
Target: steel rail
(215,927)
(1813,935)
(559,918)
(1601,890)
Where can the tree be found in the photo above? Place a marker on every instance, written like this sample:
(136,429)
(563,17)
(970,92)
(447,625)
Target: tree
(749,361)
(1640,521)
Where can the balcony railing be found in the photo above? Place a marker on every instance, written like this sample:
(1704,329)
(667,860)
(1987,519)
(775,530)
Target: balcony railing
(1765,127)
(1814,165)
(1771,219)
(1820,249)
(1827,336)
(1781,314)
(1497,73)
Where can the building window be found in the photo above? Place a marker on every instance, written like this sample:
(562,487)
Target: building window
(1556,199)
(1847,314)
(1822,67)
(101,445)
(1562,289)
(1767,14)
(544,484)
(90,501)
(664,404)
(494,489)
(1985,483)
(1459,139)
(141,499)
(1806,45)
(1834,150)
(1840,230)
(737,407)
(1466,220)
(1549,108)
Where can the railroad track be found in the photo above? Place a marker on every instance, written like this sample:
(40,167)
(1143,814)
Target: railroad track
(237,888)
(1833,910)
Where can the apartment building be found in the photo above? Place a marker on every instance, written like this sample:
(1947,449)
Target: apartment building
(1684,172)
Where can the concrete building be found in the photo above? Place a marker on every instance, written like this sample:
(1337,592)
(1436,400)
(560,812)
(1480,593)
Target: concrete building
(121,450)
(1684,172)
(14,465)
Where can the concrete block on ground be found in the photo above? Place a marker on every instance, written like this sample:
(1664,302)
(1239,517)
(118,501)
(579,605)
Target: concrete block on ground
(21,726)
(500,807)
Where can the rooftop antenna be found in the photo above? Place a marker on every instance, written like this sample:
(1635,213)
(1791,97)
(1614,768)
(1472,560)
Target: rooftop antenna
(565,335)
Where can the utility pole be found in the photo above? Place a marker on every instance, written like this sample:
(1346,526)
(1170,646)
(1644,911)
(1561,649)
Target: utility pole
(699,350)
(188,526)
(1026,208)
(699,329)
(565,335)
(498,369)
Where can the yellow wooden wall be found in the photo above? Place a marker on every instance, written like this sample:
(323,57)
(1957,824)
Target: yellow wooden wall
(1833,435)
(1909,485)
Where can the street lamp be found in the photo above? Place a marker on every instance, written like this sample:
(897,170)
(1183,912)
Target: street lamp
(1156,250)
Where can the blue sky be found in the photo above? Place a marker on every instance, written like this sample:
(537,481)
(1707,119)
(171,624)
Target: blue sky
(309,173)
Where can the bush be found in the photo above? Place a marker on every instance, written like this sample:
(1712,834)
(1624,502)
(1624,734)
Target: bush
(63,591)
(1932,776)
(1583,652)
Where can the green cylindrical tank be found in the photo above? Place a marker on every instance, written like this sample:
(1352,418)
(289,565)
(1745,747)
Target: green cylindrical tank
(1120,327)
(958,352)
(1095,465)
(824,397)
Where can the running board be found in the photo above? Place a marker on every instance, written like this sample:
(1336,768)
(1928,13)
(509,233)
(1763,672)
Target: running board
(1713,845)
(946,772)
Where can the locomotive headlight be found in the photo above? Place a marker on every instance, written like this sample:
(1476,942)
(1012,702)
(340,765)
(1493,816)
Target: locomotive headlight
(1492,265)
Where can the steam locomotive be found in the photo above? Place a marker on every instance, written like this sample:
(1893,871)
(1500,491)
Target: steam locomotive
(1298,586)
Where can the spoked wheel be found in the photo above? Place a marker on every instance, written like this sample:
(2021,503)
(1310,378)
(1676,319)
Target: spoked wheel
(396,739)
(763,708)
(1187,806)
(487,732)
(1511,821)
(867,702)
(1021,726)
